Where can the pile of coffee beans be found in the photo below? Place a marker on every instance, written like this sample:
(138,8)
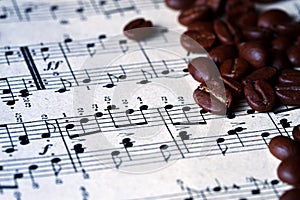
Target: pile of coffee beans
(288,151)
(255,52)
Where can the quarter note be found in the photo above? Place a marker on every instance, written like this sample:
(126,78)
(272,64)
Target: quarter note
(88,79)
(184,136)
(165,153)
(27,12)
(56,167)
(7,54)
(79,150)
(222,146)
(53,9)
(123,76)
(111,78)
(116,159)
(11,147)
(45,53)
(31,168)
(123,46)
(51,128)
(4,13)
(24,140)
(147,75)
(66,84)
(264,136)
(91,49)
(8,91)
(80,11)
(69,127)
(167,70)
(127,144)
(67,41)
(101,38)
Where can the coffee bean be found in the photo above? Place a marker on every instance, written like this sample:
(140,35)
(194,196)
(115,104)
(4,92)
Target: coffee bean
(196,42)
(292,194)
(288,94)
(282,43)
(273,17)
(265,1)
(194,14)
(296,133)
(226,32)
(264,73)
(213,98)
(255,53)
(294,55)
(257,33)
(132,29)
(201,26)
(291,29)
(179,4)
(203,69)
(223,52)
(288,170)
(216,5)
(234,86)
(289,76)
(260,95)
(246,19)
(283,147)
(279,60)
(234,68)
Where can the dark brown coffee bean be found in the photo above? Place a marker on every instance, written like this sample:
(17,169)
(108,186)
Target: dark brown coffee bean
(236,8)
(200,2)
(282,43)
(196,42)
(289,76)
(132,29)
(288,170)
(296,133)
(223,52)
(260,95)
(203,69)
(283,147)
(257,33)
(246,19)
(234,68)
(194,14)
(213,98)
(273,17)
(201,26)
(288,94)
(291,29)
(292,194)
(294,55)
(234,86)
(255,53)
(264,73)
(226,32)
(216,5)
(279,60)
(179,4)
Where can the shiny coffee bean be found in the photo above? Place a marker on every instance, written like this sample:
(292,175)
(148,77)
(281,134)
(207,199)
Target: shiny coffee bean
(273,17)
(203,69)
(255,53)
(289,76)
(288,94)
(279,60)
(226,32)
(201,26)
(294,55)
(264,73)
(194,14)
(234,86)
(291,29)
(260,95)
(234,68)
(282,43)
(223,52)
(257,33)
(213,98)
(132,29)
(283,147)
(288,170)
(196,42)
(292,194)
(296,133)
(179,4)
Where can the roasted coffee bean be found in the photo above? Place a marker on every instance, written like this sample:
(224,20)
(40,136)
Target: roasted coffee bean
(246,19)
(255,53)
(201,26)
(196,42)
(264,73)
(260,95)
(194,14)
(179,4)
(223,52)
(288,170)
(292,194)
(291,29)
(226,32)
(289,76)
(273,17)
(213,98)
(132,29)
(282,43)
(283,147)
(296,133)
(234,68)
(216,5)
(288,94)
(203,69)
(236,8)
(257,33)
(234,86)
(279,60)
(294,55)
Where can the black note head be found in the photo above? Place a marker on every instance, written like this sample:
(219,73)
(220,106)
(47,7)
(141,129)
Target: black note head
(185,70)
(55,160)
(265,134)
(284,122)
(186,108)
(45,135)
(23,139)
(70,126)
(18,175)
(101,37)
(122,76)
(9,150)
(275,182)
(127,142)
(239,129)
(220,140)
(84,120)
(61,90)
(68,40)
(98,114)
(24,93)
(110,85)
(10,102)
(129,111)
(164,147)
(250,111)
(202,111)
(111,107)
(6,91)
(115,153)
(78,148)
(144,107)
(231,132)
(217,189)
(230,115)
(32,167)
(169,106)
(184,136)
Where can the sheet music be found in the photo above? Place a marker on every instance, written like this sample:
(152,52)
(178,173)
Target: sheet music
(88,114)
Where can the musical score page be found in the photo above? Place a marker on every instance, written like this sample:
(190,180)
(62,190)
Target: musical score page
(88,114)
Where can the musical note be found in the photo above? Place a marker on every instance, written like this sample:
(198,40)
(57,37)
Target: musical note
(91,49)
(31,168)
(79,150)
(66,42)
(4,13)
(8,91)
(123,46)
(165,153)
(45,53)
(53,9)
(285,124)
(80,11)
(264,135)
(65,87)
(51,128)
(184,136)
(69,127)
(145,74)
(88,79)
(273,185)
(167,70)
(7,54)
(101,38)
(15,186)
(123,76)
(11,147)
(127,144)
(116,159)
(255,191)
(27,12)
(56,167)
(220,142)
(112,83)
(235,132)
